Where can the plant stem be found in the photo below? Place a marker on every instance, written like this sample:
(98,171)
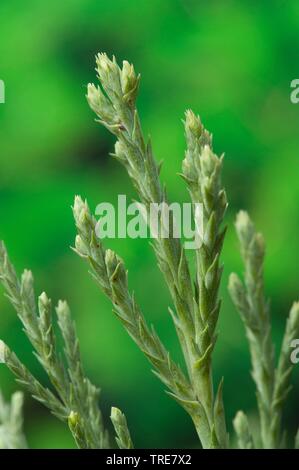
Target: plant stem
(272,386)
(196,313)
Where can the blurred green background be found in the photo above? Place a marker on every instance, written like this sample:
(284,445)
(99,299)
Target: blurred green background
(232,62)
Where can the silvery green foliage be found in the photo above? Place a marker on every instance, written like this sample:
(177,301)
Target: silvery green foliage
(74,392)
(11,423)
(196,311)
(241,426)
(76,425)
(273,385)
(114,104)
(202,173)
(109,272)
(119,422)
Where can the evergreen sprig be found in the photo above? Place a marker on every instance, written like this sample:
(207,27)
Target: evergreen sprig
(196,311)
(202,173)
(114,102)
(273,385)
(74,392)
(109,272)
(11,423)
(73,398)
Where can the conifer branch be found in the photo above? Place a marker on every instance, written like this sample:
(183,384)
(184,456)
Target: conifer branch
(74,392)
(196,312)
(11,423)
(272,385)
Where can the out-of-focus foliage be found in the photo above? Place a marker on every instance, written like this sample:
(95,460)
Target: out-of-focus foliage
(232,62)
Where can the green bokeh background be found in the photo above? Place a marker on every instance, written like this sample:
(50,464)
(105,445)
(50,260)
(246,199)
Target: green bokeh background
(232,62)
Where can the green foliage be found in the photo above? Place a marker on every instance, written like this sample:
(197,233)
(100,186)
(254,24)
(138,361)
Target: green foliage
(76,396)
(272,385)
(241,425)
(196,311)
(190,54)
(110,273)
(196,303)
(119,421)
(11,423)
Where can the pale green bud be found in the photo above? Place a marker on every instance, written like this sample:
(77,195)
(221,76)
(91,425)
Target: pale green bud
(109,75)
(193,124)
(115,414)
(80,246)
(245,228)
(111,261)
(79,206)
(120,425)
(27,289)
(104,66)
(242,429)
(195,131)
(100,104)
(27,279)
(73,419)
(62,308)
(209,161)
(129,82)
(81,213)
(115,267)
(43,301)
